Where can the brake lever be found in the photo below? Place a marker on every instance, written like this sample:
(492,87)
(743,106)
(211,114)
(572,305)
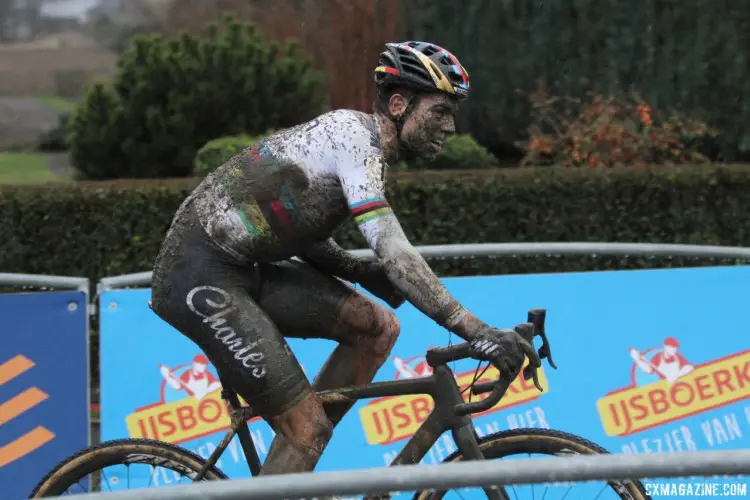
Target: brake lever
(537,317)
(527,330)
(530,372)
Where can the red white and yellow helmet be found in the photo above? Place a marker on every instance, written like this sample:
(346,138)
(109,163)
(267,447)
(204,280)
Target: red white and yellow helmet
(422,66)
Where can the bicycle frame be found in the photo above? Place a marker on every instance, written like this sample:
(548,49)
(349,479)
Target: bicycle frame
(442,386)
(450,412)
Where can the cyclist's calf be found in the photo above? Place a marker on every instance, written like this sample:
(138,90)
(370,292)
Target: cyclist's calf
(303,432)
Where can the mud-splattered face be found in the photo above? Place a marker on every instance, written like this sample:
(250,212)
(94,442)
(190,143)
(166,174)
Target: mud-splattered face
(430,122)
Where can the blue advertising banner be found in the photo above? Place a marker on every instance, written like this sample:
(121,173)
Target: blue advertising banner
(43,386)
(648,361)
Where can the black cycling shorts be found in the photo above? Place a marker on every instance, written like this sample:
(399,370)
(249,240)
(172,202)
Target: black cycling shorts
(239,314)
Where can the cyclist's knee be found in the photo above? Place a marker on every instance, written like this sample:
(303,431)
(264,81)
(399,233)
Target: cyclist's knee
(386,336)
(374,326)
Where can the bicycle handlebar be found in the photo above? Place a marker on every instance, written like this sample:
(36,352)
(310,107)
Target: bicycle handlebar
(497,388)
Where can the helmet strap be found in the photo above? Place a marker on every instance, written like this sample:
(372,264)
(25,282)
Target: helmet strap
(399,120)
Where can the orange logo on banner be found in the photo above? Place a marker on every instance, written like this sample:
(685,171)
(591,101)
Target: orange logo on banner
(202,412)
(18,405)
(390,419)
(676,389)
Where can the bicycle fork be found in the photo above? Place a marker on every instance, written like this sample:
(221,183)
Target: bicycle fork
(466,440)
(465,437)
(447,397)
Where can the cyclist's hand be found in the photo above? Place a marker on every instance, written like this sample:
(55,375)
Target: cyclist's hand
(504,348)
(374,280)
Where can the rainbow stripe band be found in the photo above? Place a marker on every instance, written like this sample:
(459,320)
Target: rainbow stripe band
(368,210)
(388,69)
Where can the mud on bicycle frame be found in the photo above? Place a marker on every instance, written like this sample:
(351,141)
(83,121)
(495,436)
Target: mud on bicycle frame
(450,411)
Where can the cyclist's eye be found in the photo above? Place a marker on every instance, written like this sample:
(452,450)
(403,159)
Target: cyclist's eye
(441,113)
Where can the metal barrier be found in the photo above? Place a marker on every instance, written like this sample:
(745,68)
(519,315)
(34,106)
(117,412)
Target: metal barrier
(454,475)
(44,281)
(513,249)
(475,474)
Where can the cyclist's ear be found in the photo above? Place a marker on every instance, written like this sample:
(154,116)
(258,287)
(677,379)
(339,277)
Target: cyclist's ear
(397,104)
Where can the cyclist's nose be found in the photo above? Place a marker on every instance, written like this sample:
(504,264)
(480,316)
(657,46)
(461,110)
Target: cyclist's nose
(449,126)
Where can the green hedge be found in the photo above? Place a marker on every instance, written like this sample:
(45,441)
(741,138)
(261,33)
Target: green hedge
(100,229)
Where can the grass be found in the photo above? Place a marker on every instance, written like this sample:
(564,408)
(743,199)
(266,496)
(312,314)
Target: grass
(56,103)
(25,168)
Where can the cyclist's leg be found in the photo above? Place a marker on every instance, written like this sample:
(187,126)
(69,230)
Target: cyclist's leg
(307,303)
(209,300)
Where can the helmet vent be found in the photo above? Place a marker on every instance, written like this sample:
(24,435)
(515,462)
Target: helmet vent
(435,68)
(413,68)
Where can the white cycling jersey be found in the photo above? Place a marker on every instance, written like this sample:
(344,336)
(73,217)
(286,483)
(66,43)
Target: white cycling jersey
(295,187)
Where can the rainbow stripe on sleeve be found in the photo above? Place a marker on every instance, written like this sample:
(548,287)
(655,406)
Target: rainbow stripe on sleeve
(368,210)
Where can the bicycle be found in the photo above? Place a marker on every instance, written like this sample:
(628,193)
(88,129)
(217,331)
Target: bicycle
(450,412)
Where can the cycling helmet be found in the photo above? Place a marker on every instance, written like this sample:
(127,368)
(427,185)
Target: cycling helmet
(422,66)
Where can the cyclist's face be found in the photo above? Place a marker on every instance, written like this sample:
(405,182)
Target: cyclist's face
(428,125)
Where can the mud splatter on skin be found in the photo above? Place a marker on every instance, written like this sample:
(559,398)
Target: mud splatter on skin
(431,121)
(285,198)
(373,331)
(327,167)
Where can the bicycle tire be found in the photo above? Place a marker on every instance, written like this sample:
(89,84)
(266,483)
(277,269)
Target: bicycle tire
(544,441)
(117,452)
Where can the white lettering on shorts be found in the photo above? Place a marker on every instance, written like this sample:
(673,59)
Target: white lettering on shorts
(225,333)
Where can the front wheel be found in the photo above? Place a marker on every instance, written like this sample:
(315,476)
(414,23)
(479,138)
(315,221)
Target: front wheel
(505,444)
(131,463)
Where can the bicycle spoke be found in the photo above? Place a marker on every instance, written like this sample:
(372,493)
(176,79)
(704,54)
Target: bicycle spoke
(515,493)
(106,480)
(602,491)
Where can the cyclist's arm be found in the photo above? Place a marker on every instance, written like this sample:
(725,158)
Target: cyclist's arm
(404,266)
(328,255)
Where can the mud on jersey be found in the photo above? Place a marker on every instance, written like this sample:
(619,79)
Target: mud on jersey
(295,187)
